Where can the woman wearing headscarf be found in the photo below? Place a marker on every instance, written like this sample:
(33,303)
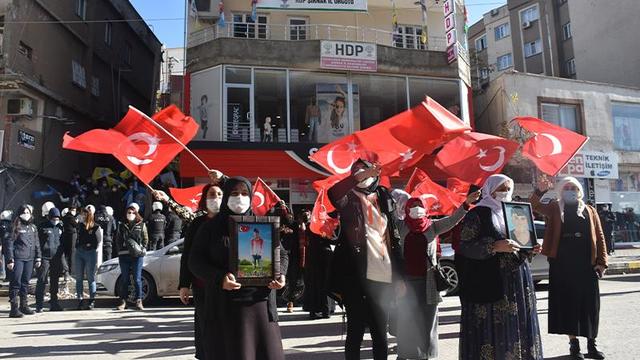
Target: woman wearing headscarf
(575,246)
(418,306)
(241,321)
(499,318)
(369,253)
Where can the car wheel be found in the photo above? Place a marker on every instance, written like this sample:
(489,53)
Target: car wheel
(149,290)
(449,270)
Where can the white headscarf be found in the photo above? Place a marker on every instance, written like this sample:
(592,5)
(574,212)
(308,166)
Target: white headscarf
(497,215)
(401,197)
(560,189)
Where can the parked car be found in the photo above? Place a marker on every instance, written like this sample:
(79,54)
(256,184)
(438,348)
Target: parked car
(160,274)
(539,265)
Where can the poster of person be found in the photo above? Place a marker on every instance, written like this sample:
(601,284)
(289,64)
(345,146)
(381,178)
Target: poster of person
(333,101)
(204,101)
(255,250)
(519,224)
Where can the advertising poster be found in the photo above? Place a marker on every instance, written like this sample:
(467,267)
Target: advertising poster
(334,111)
(205,100)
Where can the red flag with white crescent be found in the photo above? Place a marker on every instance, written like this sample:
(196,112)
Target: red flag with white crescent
(441,201)
(321,223)
(264,199)
(473,157)
(188,197)
(416,178)
(551,147)
(458,186)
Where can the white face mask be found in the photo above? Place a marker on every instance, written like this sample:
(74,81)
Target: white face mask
(55,221)
(366,182)
(72,212)
(417,212)
(502,196)
(239,204)
(131,217)
(213,205)
(25,217)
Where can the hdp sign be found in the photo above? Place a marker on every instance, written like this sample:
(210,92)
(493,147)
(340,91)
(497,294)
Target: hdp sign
(348,49)
(344,55)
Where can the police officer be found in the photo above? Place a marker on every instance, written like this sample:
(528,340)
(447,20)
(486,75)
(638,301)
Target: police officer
(69,238)
(24,250)
(174,227)
(50,234)
(5,233)
(156,225)
(108,225)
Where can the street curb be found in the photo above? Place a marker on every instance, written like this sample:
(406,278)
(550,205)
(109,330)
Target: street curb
(629,267)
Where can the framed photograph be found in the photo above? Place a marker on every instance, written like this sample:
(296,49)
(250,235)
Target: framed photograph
(518,219)
(254,254)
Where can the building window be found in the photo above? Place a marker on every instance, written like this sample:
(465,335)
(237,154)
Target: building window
(502,31)
(626,123)
(532,48)
(25,50)
(505,62)
(245,27)
(270,94)
(203,5)
(126,53)
(571,66)
(298,28)
(95,86)
(481,43)
(566,31)
(408,37)
(78,74)
(484,73)
(565,115)
(108,28)
(445,92)
(379,98)
(81,9)
(529,15)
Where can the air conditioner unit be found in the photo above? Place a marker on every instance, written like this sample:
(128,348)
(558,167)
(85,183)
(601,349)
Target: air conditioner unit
(22,106)
(526,24)
(495,12)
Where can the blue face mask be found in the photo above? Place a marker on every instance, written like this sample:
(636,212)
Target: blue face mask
(570,196)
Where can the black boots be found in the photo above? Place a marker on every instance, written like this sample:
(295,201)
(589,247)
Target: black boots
(593,352)
(15,311)
(574,350)
(80,304)
(24,306)
(54,305)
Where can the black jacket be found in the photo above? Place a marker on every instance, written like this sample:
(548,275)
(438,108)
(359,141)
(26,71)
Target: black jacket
(69,227)
(186,276)
(156,223)
(137,232)
(87,239)
(351,251)
(107,223)
(24,243)
(174,226)
(5,234)
(50,239)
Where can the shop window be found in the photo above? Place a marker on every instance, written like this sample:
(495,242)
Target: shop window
(320,107)
(380,97)
(445,92)
(626,123)
(298,28)
(565,115)
(245,27)
(408,37)
(270,105)
(238,75)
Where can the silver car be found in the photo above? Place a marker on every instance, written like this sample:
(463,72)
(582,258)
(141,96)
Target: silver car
(539,266)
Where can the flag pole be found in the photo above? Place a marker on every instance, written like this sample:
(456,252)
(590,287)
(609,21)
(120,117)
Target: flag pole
(171,136)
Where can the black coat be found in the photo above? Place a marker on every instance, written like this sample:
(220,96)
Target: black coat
(50,239)
(156,223)
(24,243)
(107,223)
(186,276)
(351,251)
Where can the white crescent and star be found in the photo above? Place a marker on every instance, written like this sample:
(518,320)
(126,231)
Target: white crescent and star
(497,164)
(260,197)
(557,145)
(152,143)
(194,201)
(340,170)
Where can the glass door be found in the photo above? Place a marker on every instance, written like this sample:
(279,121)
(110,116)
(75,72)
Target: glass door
(238,113)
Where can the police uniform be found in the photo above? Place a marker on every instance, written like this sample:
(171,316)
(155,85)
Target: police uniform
(108,225)
(174,227)
(156,225)
(51,268)
(5,235)
(24,250)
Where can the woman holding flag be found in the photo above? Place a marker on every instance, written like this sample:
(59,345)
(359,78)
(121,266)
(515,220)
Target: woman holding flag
(499,318)
(418,306)
(241,322)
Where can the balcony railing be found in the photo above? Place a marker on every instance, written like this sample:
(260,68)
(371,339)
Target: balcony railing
(315,32)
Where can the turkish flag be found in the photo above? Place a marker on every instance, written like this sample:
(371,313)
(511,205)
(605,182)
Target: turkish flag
(441,201)
(159,148)
(551,147)
(473,157)
(416,178)
(321,223)
(189,197)
(458,186)
(101,141)
(263,198)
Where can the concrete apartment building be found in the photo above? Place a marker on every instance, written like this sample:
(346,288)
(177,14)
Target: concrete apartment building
(66,66)
(171,78)
(273,88)
(579,39)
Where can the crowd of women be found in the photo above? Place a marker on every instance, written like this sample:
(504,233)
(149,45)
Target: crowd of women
(385,252)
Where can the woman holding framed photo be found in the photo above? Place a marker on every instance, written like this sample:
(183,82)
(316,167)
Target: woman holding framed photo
(499,318)
(241,321)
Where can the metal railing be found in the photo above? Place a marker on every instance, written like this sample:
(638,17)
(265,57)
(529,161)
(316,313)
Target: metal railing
(315,32)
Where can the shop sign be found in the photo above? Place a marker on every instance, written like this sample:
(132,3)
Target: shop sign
(592,164)
(450,30)
(26,140)
(342,55)
(322,5)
